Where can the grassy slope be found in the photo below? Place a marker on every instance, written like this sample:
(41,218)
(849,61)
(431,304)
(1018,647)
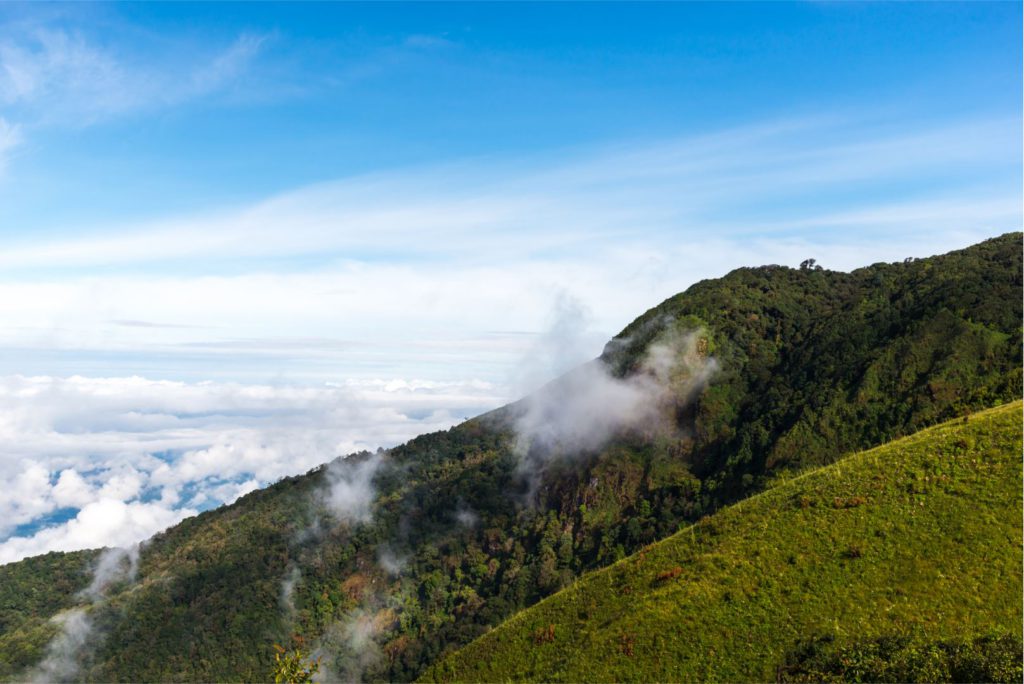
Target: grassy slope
(936,546)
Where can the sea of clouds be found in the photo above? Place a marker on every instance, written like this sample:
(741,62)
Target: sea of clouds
(89,462)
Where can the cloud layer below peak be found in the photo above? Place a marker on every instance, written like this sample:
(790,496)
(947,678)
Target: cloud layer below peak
(89,462)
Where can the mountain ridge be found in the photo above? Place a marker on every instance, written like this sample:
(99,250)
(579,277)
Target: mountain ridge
(812,364)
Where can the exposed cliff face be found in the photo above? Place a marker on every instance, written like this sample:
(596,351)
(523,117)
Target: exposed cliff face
(701,401)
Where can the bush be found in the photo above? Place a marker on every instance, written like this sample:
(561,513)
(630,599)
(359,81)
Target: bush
(904,658)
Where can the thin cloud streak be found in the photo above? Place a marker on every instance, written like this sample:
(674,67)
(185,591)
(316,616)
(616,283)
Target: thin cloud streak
(365,320)
(657,193)
(52,75)
(10,138)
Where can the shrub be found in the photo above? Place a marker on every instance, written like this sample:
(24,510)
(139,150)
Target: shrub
(904,658)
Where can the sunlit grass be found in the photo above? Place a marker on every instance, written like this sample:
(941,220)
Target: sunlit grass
(919,536)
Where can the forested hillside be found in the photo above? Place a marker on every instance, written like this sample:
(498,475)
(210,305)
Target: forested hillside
(384,562)
(897,564)
(30,592)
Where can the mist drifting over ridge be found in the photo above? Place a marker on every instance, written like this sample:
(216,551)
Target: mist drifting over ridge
(569,418)
(78,635)
(578,413)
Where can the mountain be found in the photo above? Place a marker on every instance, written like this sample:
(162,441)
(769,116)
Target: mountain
(385,562)
(913,547)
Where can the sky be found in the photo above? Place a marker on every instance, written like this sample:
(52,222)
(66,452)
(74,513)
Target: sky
(239,240)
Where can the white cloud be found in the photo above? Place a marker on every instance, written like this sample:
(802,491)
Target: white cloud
(650,196)
(230,492)
(26,494)
(72,490)
(567,341)
(77,636)
(225,67)
(443,321)
(419,269)
(350,491)
(105,522)
(10,137)
(136,455)
(48,68)
(123,486)
(53,74)
(581,410)
(60,664)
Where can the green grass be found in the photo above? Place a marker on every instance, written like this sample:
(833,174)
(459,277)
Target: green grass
(921,536)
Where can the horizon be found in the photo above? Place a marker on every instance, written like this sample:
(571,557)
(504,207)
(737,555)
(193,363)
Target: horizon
(241,240)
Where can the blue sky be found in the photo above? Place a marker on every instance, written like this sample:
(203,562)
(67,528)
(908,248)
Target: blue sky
(314,92)
(238,240)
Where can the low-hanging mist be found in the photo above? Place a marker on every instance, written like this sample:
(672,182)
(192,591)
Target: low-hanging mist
(78,634)
(581,411)
(571,417)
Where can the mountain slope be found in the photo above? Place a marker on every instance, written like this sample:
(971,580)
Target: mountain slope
(461,529)
(30,592)
(816,363)
(921,534)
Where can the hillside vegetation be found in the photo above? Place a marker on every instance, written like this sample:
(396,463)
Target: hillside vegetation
(917,542)
(782,369)
(30,592)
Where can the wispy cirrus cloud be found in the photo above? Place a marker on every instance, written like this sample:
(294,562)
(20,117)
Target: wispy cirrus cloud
(801,174)
(10,137)
(53,75)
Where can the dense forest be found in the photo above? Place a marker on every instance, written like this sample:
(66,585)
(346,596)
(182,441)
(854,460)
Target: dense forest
(752,378)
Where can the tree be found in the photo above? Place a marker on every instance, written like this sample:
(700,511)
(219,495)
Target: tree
(294,666)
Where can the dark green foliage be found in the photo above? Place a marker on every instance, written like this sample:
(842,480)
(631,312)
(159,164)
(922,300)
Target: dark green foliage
(30,592)
(813,364)
(908,658)
(817,363)
(43,585)
(737,596)
(209,593)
